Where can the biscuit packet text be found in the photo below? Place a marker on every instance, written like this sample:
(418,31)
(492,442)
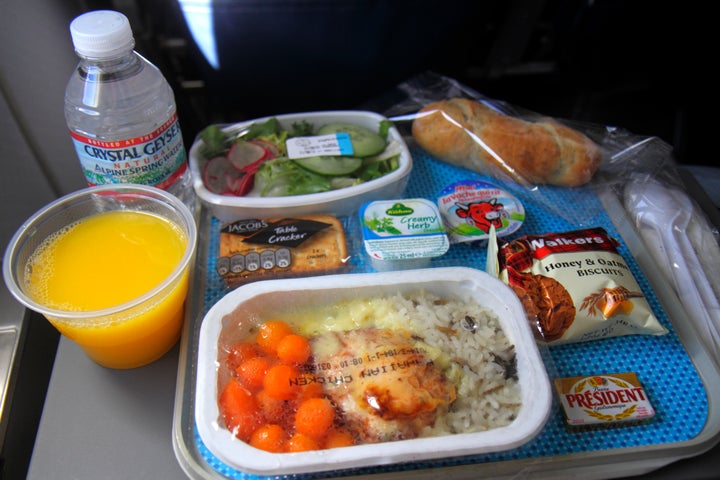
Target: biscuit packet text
(575,287)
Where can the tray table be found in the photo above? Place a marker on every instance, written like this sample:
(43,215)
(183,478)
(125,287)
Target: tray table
(674,369)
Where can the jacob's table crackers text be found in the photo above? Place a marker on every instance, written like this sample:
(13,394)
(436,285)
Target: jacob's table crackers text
(258,249)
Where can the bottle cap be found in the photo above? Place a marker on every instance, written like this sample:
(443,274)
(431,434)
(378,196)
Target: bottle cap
(102,34)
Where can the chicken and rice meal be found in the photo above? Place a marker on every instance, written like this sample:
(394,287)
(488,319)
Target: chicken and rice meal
(367,370)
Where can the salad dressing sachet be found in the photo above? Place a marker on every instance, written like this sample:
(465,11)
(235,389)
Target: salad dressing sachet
(575,286)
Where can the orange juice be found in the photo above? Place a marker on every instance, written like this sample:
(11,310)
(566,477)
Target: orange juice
(106,260)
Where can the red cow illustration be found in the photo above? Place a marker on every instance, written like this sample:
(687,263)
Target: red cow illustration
(482,214)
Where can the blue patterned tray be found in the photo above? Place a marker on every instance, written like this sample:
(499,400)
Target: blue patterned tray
(667,373)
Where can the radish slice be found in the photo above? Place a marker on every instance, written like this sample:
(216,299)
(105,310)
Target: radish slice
(248,179)
(233,183)
(244,185)
(235,174)
(271,150)
(219,176)
(244,153)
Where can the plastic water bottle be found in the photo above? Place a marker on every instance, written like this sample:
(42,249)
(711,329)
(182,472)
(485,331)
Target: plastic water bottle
(121,110)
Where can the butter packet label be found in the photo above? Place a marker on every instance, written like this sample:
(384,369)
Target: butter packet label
(605,399)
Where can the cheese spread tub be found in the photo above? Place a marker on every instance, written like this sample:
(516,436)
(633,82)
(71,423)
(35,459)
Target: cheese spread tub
(603,400)
(402,234)
(470,207)
(257,249)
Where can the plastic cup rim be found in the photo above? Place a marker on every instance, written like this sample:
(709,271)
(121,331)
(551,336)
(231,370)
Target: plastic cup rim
(65,315)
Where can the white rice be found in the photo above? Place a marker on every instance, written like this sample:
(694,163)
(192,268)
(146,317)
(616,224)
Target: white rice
(485,398)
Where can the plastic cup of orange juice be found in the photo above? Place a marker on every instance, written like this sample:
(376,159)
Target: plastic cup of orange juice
(109,267)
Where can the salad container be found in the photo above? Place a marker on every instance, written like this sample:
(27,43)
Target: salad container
(341,201)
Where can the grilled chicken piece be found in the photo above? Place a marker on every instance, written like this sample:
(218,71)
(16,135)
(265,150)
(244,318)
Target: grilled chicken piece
(385,386)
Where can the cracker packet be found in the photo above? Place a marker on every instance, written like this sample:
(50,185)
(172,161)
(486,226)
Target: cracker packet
(575,286)
(261,249)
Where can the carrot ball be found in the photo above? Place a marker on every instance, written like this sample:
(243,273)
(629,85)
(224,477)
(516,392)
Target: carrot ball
(270,333)
(293,348)
(314,417)
(270,437)
(300,442)
(281,381)
(252,371)
(239,410)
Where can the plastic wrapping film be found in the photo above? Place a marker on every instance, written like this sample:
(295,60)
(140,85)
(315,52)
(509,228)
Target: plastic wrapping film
(639,170)
(626,157)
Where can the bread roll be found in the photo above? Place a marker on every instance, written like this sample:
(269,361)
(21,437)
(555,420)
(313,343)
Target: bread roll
(469,134)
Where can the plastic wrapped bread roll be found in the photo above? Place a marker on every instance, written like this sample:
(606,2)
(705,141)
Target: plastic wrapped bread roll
(469,134)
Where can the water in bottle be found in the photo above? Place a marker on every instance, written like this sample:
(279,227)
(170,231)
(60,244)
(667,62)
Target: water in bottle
(121,111)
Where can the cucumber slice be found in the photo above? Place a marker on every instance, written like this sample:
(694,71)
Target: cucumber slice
(330,165)
(365,142)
